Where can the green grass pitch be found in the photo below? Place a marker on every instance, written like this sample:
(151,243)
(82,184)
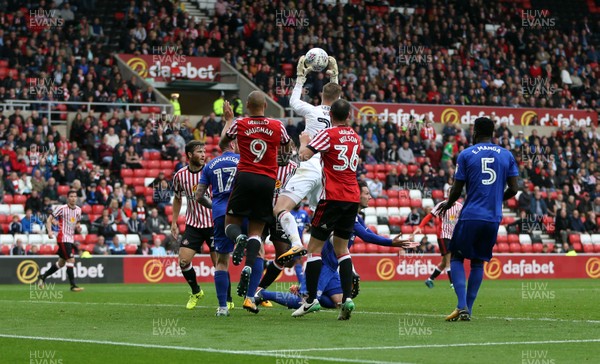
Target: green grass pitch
(543,322)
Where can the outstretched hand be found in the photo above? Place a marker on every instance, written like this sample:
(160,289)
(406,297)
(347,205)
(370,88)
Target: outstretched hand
(227,111)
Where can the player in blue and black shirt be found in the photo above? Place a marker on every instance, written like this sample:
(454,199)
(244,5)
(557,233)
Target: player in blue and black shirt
(219,174)
(485,169)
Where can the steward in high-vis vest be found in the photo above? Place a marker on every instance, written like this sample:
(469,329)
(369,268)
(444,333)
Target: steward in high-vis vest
(175,102)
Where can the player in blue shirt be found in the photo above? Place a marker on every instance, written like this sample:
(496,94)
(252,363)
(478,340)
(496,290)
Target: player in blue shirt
(219,173)
(302,219)
(485,169)
(329,287)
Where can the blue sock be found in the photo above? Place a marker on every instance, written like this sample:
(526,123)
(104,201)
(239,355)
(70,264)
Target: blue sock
(458,276)
(475,279)
(257,271)
(221,284)
(326,302)
(301,278)
(283,298)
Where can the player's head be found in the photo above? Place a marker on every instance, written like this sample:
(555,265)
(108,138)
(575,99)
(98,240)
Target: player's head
(256,103)
(195,152)
(72,198)
(365,194)
(331,92)
(232,147)
(483,130)
(339,112)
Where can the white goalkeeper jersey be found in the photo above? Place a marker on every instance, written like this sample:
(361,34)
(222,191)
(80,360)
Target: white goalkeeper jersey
(317,117)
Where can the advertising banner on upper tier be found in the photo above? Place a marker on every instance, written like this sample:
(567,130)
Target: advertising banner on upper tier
(165,67)
(458,114)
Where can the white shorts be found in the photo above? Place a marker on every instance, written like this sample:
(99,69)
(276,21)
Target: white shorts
(306,182)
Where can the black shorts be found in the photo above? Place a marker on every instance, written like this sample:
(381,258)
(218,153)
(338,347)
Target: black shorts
(276,233)
(252,197)
(336,216)
(444,245)
(66,250)
(194,237)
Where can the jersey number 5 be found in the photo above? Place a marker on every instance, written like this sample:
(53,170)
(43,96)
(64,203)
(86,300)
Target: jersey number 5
(351,162)
(488,170)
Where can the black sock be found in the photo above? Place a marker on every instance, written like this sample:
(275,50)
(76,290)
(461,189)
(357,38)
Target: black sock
(190,277)
(252,249)
(270,275)
(312,272)
(233,231)
(229,299)
(450,276)
(346,278)
(71,276)
(53,268)
(435,273)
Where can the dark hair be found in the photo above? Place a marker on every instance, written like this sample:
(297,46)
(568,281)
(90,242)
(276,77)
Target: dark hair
(191,146)
(484,127)
(362,184)
(70,192)
(340,110)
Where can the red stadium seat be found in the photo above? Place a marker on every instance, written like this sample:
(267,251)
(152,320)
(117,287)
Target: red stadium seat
(503,248)
(512,203)
(412,168)
(381,176)
(91,239)
(131,248)
(597,248)
(502,239)
(394,220)
(429,230)
(372,249)
(380,202)
(166,164)
(97,209)
(359,248)
(139,189)
(393,194)
(139,173)
(383,249)
(527,248)
(169,210)
(495,248)
(149,191)
(155,156)
(128,181)
(139,181)
(79,238)
(515,247)
(269,249)
(5,249)
(406,229)
(153,164)
(404,202)
(369,167)
(372,202)
(152,172)
(574,238)
(373,228)
(437,194)
(538,248)
(506,220)
(416,203)
(122,229)
(149,200)
(370,175)
(19,199)
(126,173)
(578,247)
(393,202)
(86,209)
(588,248)
(8,199)
(181,219)
(513,238)
(144,109)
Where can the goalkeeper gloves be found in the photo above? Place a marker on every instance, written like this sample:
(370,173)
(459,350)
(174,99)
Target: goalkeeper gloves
(302,71)
(332,70)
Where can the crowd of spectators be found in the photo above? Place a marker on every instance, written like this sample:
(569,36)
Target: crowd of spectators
(559,173)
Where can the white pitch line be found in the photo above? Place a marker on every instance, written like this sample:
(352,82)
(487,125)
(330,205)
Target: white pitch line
(416,314)
(272,354)
(446,346)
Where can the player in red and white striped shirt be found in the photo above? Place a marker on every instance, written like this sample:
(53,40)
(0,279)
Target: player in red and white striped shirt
(67,217)
(198,219)
(445,231)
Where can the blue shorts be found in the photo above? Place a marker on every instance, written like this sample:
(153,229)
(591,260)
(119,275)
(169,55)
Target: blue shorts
(329,282)
(474,239)
(223,245)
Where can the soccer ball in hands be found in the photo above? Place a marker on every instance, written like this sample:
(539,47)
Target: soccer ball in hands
(317,58)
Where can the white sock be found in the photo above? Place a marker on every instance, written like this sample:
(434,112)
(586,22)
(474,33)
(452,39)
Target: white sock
(289,226)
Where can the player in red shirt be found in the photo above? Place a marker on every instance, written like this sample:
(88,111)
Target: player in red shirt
(259,139)
(339,147)
(67,217)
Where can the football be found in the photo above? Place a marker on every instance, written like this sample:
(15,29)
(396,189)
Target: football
(317,58)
